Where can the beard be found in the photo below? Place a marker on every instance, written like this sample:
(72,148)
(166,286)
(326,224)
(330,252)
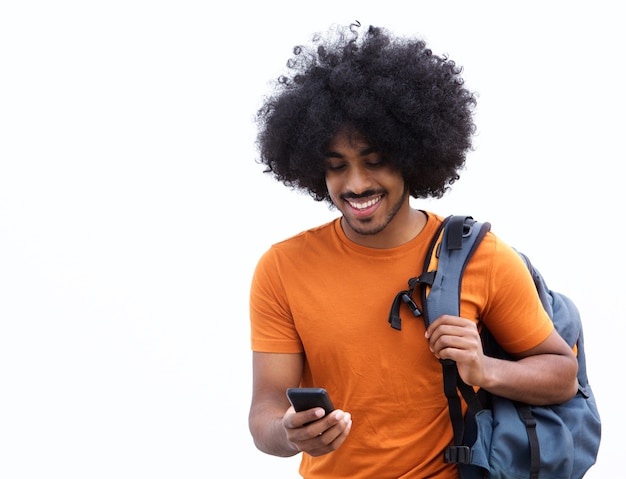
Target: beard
(367,226)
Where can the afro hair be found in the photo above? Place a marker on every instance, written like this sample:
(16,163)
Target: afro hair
(409,103)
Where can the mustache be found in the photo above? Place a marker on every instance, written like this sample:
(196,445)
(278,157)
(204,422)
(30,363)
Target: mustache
(349,195)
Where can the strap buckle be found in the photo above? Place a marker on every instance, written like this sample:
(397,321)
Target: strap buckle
(457,455)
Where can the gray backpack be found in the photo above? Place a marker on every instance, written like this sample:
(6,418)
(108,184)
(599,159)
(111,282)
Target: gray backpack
(499,438)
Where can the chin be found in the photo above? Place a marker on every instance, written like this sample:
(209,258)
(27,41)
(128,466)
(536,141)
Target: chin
(365,227)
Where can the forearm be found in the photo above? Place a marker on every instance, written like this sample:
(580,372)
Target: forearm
(537,380)
(268,432)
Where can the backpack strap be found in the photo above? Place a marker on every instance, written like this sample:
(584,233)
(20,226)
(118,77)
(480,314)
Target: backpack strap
(441,294)
(451,253)
(450,250)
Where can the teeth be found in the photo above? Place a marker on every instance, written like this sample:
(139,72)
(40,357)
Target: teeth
(367,204)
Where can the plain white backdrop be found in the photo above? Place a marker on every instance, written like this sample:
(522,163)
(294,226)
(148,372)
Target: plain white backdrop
(132,211)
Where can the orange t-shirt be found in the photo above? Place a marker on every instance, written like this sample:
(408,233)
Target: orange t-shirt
(321,294)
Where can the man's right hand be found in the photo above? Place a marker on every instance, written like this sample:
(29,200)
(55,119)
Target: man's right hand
(315,434)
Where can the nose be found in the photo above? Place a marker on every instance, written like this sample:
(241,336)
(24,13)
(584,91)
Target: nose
(358,180)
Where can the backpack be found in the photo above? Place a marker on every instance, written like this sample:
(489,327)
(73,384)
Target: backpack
(498,438)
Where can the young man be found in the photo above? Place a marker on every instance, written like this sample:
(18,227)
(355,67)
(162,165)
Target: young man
(366,122)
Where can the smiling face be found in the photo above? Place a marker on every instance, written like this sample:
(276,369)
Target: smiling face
(369,192)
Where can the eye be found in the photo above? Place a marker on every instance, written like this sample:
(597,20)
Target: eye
(334,166)
(376,163)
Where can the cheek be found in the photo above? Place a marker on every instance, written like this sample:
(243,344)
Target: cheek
(334,190)
(392,181)
(332,185)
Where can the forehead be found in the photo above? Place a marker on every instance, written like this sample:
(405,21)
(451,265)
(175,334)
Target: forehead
(348,139)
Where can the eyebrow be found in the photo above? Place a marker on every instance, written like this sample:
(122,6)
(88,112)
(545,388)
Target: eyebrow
(363,152)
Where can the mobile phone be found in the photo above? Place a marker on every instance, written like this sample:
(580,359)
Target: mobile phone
(306,398)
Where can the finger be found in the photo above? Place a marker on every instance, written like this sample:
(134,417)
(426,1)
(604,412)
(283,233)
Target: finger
(330,439)
(299,419)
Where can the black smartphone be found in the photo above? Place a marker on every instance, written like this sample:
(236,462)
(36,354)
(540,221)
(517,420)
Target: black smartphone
(306,398)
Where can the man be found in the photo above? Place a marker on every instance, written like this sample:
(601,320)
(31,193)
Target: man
(365,123)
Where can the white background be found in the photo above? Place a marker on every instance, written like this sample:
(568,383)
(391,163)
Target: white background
(132,212)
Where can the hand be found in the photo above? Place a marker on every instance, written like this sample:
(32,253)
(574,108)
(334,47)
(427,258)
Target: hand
(456,338)
(312,432)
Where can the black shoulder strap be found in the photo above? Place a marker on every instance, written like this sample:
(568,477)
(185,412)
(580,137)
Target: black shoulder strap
(461,236)
(451,248)
(441,294)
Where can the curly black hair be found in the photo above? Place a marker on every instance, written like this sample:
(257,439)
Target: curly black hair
(406,101)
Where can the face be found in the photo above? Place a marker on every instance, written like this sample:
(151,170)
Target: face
(370,194)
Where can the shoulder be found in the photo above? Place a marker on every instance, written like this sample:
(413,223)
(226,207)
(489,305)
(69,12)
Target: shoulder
(299,247)
(499,251)
(512,298)
(306,243)
(319,233)
(501,259)
(497,267)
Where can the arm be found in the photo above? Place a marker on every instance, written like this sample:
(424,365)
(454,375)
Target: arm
(275,427)
(545,374)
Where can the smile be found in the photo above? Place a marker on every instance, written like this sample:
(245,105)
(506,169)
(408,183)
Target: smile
(366,204)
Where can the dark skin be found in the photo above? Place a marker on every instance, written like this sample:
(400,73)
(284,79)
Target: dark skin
(280,430)
(373,200)
(545,374)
